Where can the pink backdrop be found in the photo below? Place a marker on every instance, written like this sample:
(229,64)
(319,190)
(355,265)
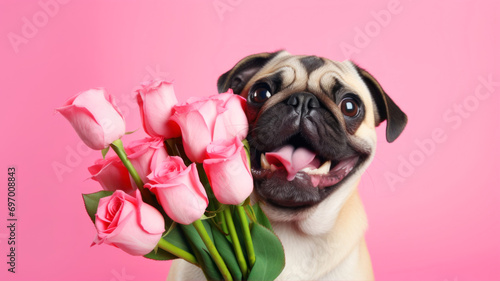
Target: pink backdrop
(432,197)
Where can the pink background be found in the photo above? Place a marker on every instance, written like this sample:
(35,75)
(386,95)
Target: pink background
(438,221)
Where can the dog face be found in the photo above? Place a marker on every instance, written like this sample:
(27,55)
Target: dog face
(312,125)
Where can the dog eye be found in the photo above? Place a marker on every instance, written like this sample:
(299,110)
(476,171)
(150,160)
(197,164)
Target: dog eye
(260,94)
(349,107)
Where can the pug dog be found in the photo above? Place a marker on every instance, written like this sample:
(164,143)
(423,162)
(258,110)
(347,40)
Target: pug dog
(312,135)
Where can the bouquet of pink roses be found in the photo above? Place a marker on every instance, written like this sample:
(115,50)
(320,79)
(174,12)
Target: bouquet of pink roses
(183,192)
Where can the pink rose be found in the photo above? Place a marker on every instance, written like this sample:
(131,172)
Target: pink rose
(178,189)
(228,171)
(112,174)
(234,116)
(205,120)
(146,153)
(127,223)
(95,117)
(156,100)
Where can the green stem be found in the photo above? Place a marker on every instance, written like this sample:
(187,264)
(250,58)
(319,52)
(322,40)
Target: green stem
(175,148)
(236,242)
(171,248)
(222,219)
(198,225)
(169,145)
(246,234)
(117,146)
(213,204)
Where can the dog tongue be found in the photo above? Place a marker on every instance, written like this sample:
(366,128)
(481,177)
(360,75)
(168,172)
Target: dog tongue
(293,160)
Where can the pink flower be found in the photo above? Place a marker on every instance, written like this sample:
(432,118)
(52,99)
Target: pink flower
(228,171)
(156,100)
(127,223)
(146,153)
(178,189)
(95,117)
(234,117)
(112,174)
(205,120)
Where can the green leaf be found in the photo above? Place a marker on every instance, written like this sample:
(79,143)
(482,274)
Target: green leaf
(104,152)
(250,213)
(226,251)
(210,216)
(270,256)
(201,252)
(176,237)
(172,226)
(261,217)
(160,255)
(247,202)
(247,150)
(92,202)
(131,132)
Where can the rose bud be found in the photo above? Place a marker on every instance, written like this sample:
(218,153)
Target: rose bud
(156,100)
(112,175)
(143,153)
(205,120)
(234,117)
(95,117)
(178,189)
(128,223)
(228,171)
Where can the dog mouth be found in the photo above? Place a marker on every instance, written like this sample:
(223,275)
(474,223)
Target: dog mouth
(293,161)
(296,174)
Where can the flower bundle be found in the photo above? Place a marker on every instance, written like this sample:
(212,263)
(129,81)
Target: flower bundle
(184,191)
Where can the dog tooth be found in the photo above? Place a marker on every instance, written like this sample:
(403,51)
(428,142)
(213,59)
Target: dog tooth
(263,162)
(325,168)
(273,168)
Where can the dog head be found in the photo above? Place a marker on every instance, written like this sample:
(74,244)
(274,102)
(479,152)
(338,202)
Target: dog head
(312,126)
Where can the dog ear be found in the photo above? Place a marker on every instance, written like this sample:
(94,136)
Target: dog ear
(237,77)
(387,109)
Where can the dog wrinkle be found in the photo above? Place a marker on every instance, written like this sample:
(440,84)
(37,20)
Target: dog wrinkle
(311,63)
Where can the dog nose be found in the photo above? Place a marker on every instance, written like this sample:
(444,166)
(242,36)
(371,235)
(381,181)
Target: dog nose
(303,102)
